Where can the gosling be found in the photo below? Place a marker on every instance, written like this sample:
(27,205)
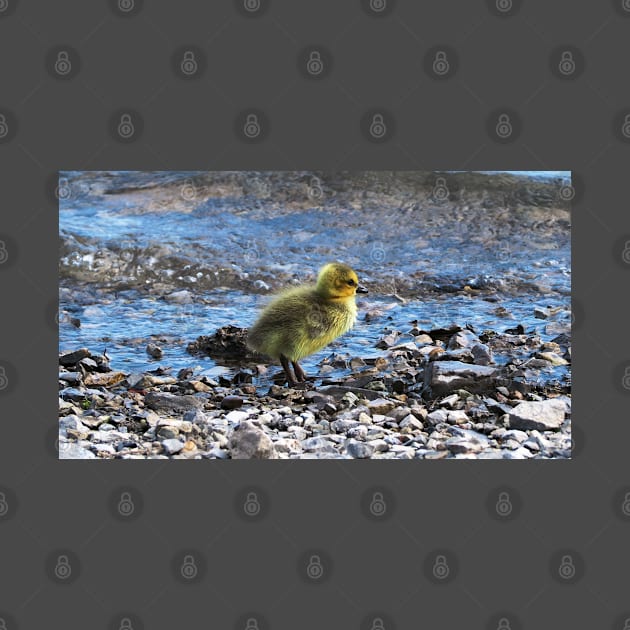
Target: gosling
(304,319)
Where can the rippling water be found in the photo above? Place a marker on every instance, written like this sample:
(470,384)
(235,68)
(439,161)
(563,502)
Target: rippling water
(132,242)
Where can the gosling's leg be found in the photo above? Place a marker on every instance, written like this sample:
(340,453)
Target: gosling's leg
(287,370)
(300,375)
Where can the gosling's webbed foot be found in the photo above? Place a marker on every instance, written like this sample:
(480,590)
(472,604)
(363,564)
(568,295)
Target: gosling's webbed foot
(300,375)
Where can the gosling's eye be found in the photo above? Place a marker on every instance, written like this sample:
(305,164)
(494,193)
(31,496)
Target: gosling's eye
(351,282)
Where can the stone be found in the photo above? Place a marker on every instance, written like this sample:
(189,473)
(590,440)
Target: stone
(235,417)
(442,377)
(104,379)
(72,358)
(69,450)
(163,401)
(359,450)
(318,444)
(154,351)
(249,442)
(544,415)
(381,405)
(172,446)
(231,402)
(412,422)
(462,339)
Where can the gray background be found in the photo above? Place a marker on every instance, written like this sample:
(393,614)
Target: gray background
(129,566)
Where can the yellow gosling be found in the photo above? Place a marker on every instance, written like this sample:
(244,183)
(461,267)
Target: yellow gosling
(304,319)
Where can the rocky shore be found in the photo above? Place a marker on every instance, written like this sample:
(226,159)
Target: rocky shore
(449,393)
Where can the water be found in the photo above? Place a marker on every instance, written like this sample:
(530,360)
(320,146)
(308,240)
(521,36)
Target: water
(132,241)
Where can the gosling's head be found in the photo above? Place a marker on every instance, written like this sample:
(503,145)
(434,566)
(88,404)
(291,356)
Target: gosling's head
(338,281)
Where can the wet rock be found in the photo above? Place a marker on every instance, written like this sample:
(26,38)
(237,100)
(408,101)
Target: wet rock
(482,354)
(165,402)
(154,351)
(231,402)
(227,343)
(463,339)
(442,377)
(338,392)
(104,379)
(543,415)
(249,442)
(72,358)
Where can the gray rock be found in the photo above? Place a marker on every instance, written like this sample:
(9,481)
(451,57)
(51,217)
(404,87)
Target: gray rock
(462,339)
(71,358)
(359,450)
(74,451)
(441,377)
(172,446)
(71,422)
(236,417)
(482,354)
(231,402)
(544,415)
(195,416)
(250,442)
(163,401)
(318,444)
(412,422)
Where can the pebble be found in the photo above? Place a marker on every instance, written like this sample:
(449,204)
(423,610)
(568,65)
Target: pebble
(172,446)
(359,450)
(250,442)
(543,415)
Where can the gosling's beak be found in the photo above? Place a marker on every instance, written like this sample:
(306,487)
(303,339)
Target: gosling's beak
(361,289)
